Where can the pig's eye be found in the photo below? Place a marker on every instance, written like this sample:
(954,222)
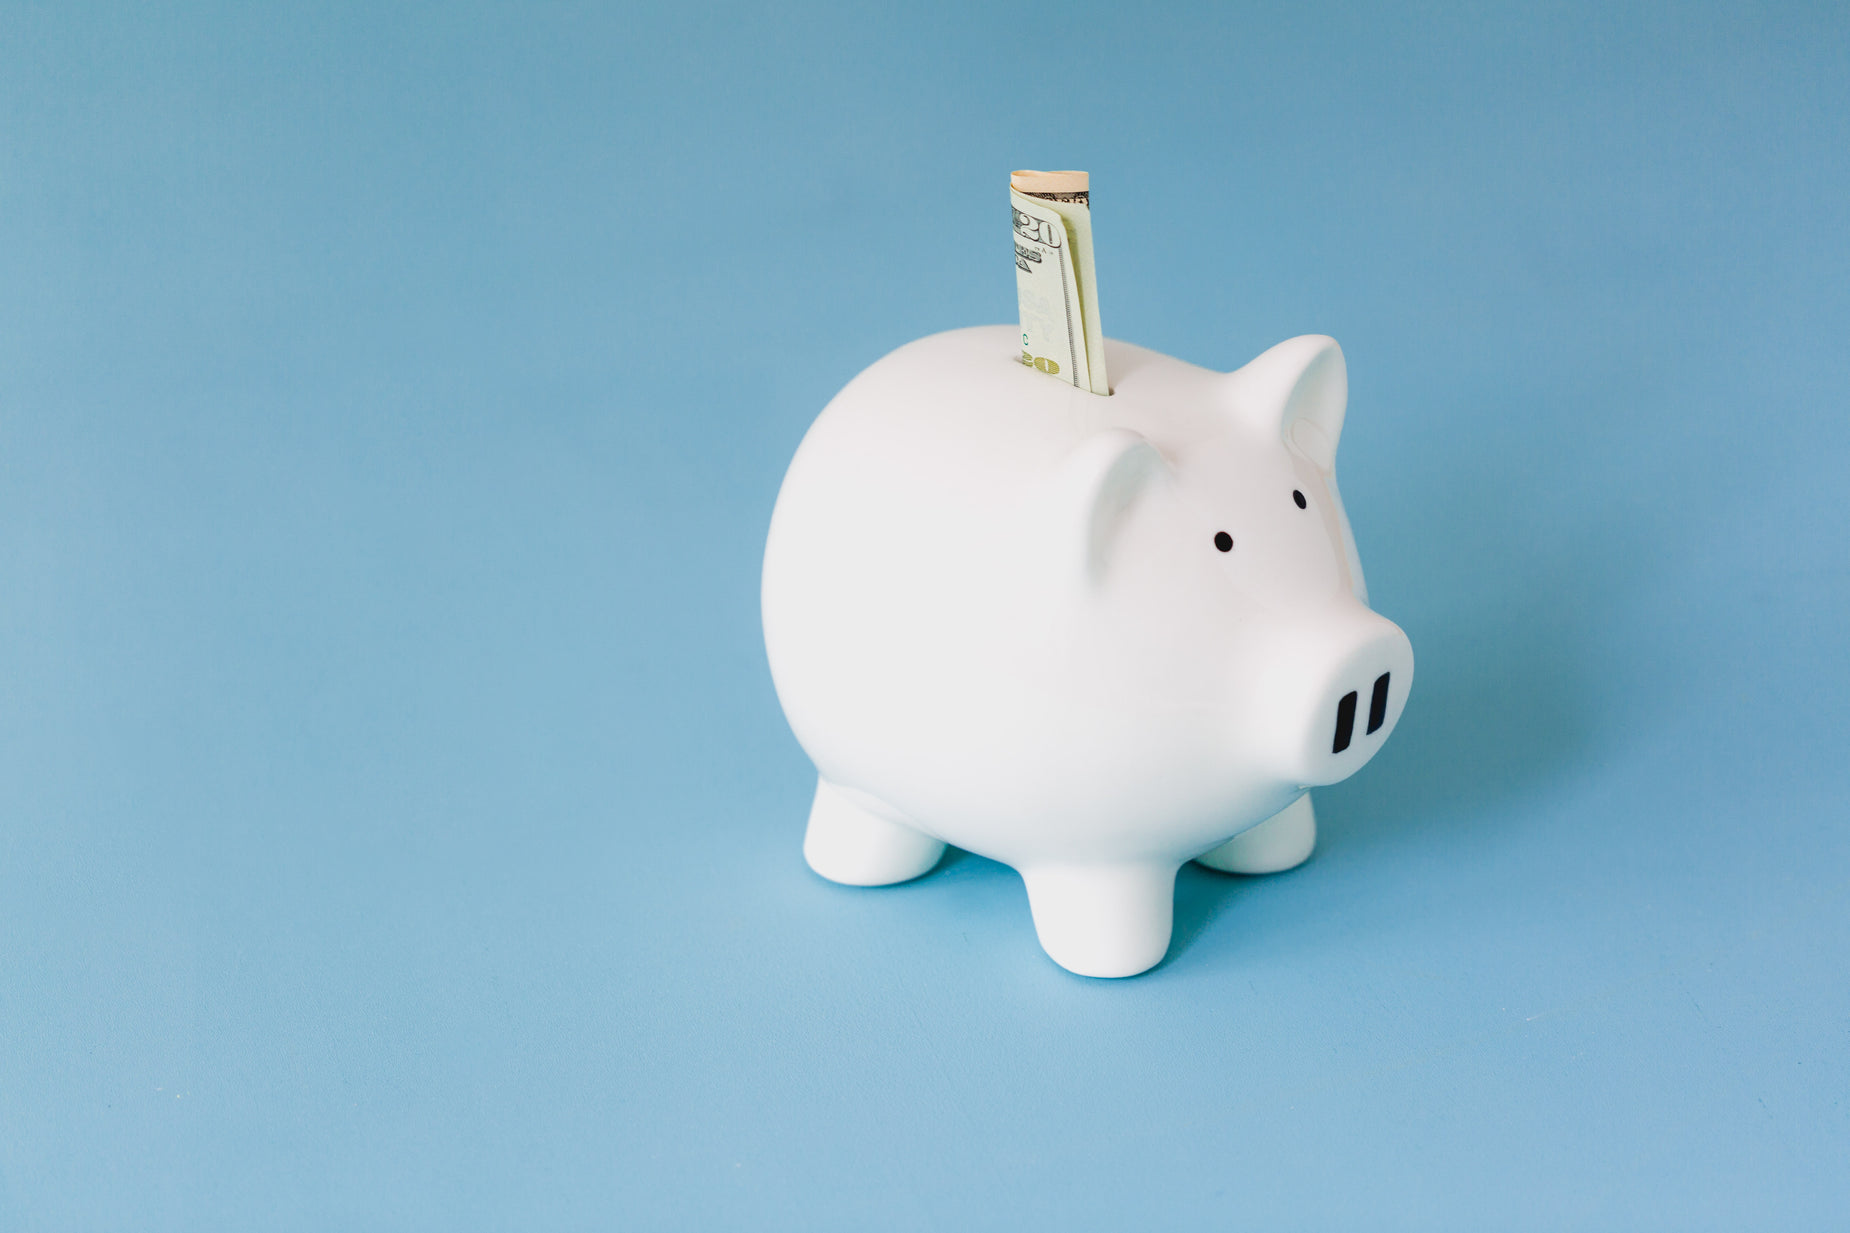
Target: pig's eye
(1299,498)
(1223,541)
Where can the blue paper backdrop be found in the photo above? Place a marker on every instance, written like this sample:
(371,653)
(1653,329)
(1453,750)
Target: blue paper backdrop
(398,828)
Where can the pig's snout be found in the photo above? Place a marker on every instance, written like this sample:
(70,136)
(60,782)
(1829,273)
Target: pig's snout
(1332,693)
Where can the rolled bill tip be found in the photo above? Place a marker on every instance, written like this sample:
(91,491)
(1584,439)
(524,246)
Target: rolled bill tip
(1049,181)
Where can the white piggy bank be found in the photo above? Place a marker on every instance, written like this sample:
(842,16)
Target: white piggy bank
(1090,637)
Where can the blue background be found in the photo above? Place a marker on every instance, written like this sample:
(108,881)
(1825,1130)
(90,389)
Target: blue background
(397,825)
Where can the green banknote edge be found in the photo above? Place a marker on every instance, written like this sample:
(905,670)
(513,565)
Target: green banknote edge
(1077,219)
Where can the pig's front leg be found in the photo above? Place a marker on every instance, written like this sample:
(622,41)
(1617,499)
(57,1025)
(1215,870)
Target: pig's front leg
(855,840)
(1283,841)
(1103,920)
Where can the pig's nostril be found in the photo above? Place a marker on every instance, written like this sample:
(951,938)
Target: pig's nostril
(1345,722)
(1377,704)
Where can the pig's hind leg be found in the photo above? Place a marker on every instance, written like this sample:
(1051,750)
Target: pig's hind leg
(855,839)
(1283,841)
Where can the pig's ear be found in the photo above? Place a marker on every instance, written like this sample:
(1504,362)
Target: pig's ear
(1299,390)
(1099,485)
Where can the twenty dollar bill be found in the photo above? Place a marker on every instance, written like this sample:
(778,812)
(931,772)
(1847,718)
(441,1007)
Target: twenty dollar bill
(1055,279)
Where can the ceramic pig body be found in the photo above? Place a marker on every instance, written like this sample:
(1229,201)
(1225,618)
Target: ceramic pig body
(1090,637)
